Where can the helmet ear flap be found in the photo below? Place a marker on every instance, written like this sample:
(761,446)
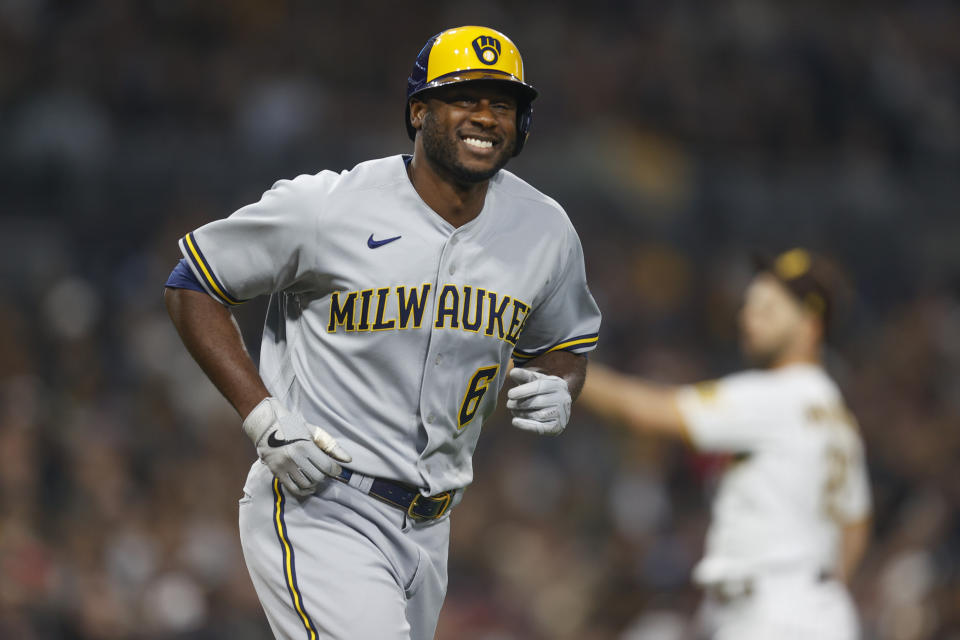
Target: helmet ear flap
(524,120)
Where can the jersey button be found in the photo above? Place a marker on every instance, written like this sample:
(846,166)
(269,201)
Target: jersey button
(452,269)
(439,359)
(430,419)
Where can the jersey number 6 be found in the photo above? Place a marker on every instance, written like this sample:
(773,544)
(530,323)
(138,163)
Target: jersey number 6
(475,392)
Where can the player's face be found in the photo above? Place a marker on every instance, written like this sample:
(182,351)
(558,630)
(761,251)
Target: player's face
(469,130)
(769,320)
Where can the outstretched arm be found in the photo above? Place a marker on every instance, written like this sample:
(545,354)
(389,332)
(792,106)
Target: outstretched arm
(635,403)
(213,338)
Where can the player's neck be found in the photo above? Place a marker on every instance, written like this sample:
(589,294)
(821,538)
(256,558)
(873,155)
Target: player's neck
(800,354)
(456,203)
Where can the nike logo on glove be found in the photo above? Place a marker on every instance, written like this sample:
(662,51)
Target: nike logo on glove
(373,244)
(275,442)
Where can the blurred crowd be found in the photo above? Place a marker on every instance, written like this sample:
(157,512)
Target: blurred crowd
(679,136)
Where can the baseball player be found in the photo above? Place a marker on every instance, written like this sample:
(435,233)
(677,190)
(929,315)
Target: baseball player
(790,514)
(400,293)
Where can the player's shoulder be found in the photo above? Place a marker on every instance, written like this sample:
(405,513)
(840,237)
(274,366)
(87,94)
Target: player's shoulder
(378,173)
(808,380)
(370,174)
(538,207)
(779,389)
(747,383)
(306,182)
(760,387)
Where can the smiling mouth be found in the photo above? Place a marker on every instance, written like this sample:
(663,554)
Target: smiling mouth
(478,143)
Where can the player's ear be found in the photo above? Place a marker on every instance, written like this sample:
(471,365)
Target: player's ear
(814,329)
(820,330)
(418,110)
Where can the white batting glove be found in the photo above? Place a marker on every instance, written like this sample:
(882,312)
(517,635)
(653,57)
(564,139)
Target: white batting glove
(540,403)
(298,453)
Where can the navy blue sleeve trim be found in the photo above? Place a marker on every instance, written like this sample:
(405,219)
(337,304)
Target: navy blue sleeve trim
(182,278)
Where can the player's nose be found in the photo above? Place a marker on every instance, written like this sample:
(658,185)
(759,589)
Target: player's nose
(482,114)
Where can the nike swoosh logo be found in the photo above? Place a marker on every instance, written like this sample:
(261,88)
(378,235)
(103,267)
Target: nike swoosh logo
(373,244)
(275,442)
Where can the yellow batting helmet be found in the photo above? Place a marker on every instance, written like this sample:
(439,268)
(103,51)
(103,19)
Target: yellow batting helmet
(466,54)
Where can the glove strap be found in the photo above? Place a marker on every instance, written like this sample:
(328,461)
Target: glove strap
(260,419)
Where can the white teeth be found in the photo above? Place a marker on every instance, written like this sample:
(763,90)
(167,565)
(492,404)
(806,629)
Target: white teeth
(481,144)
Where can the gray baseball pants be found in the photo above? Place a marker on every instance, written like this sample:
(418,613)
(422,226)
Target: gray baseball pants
(340,564)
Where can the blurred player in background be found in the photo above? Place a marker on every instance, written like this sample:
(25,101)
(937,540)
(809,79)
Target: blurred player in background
(791,513)
(400,291)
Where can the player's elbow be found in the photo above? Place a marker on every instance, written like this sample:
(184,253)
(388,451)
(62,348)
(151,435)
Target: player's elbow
(855,540)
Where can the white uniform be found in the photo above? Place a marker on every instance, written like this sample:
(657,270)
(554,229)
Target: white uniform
(393,331)
(799,476)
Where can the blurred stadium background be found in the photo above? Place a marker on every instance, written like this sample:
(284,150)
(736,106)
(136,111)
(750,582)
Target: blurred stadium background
(678,135)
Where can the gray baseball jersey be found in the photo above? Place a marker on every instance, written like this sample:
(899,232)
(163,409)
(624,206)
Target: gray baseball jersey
(389,327)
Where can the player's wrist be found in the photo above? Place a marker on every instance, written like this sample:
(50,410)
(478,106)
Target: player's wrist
(260,419)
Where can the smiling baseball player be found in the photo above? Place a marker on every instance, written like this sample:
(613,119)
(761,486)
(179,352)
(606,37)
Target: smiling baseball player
(400,291)
(790,517)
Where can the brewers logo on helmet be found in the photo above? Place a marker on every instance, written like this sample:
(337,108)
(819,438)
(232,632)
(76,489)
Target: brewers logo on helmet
(466,54)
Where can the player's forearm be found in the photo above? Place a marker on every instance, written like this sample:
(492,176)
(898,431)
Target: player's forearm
(632,402)
(213,338)
(608,394)
(563,364)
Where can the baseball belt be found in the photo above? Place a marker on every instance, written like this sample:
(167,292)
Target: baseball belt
(729,590)
(405,497)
